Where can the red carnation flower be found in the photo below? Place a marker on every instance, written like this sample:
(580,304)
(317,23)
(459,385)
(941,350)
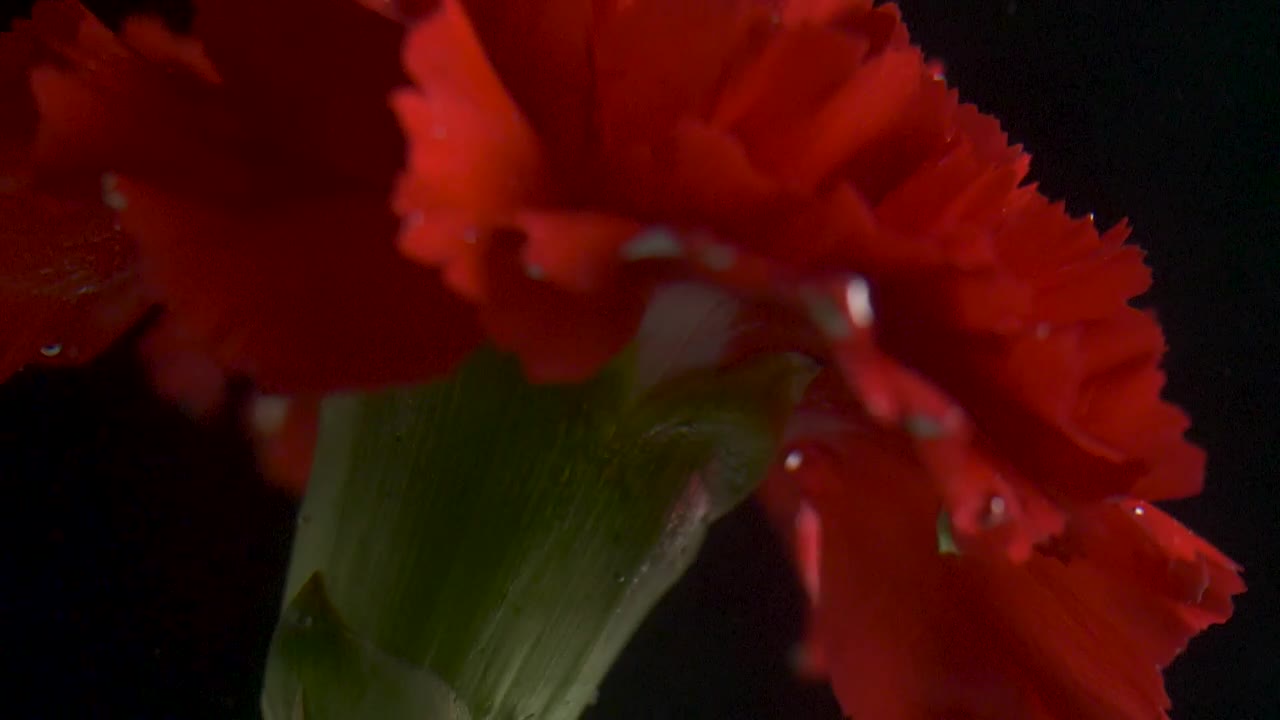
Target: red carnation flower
(965,484)
(989,384)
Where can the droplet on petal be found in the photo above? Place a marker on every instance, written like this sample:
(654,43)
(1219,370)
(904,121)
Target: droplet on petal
(51,350)
(268,413)
(656,243)
(857,301)
(946,535)
(830,319)
(923,427)
(794,460)
(111,195)
(719,257)
(1139,511)
(995,513)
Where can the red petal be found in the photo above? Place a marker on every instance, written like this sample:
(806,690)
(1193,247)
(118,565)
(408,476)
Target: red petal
(304,297)
(331,65)
(640,94)
(531,41)
(285,431)
(68,281)
(907,632)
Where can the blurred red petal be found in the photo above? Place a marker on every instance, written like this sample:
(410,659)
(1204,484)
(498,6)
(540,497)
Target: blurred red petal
(302,297)
(284,430)
(68,276)
(259,199)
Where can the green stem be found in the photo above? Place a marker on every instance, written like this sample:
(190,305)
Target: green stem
(505,539)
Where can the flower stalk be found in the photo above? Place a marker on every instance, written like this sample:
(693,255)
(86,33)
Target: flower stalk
(502,540)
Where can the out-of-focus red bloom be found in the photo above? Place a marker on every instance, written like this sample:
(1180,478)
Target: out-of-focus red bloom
(68,275)
(987,375)
(251,163)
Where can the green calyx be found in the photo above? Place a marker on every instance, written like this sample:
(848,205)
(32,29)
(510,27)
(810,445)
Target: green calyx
(502,540)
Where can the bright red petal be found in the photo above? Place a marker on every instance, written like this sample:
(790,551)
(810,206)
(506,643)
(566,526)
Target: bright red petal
(906,631)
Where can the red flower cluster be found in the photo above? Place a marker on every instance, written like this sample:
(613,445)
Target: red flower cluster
(966,483)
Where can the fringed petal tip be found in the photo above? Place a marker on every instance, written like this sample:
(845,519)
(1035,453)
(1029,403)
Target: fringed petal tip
(908,622)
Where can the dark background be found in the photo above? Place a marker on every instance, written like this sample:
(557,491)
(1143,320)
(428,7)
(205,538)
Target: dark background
(142,556)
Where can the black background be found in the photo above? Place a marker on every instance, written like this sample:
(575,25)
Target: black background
(142,555)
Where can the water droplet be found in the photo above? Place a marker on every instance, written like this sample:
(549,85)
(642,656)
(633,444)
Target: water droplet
(794,460)
(111,195)
(1139,511)
(857,301)
(946,534)
(51,350)
(719,257)
(995,513)
(827,315)
(923,427)
(656,243)
(268,413)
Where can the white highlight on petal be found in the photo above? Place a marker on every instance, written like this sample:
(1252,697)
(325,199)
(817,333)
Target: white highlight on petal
(1139,511)
(51,350)
(857,302)
(794,460)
